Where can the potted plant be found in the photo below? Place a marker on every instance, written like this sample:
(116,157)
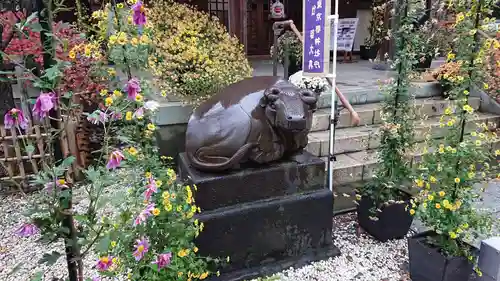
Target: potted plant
(428,46)
(316,84)
(376,32)
(445,203)
(382,203)
(289,44)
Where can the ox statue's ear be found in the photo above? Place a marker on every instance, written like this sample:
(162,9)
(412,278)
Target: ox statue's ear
(310,98)
(270,96)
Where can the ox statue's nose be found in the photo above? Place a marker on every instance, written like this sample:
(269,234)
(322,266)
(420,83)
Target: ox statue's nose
(296,122)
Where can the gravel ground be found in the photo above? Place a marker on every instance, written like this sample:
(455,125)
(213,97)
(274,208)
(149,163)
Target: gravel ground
(362,257)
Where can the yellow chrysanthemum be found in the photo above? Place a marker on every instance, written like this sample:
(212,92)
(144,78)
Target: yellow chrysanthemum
(453,235)
(442,193)
(133,151)
(457,180)
(156,211)
(438,206)
(108,101)
(412,212)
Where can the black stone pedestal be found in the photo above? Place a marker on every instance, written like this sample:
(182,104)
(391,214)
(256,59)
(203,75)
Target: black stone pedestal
(265,219)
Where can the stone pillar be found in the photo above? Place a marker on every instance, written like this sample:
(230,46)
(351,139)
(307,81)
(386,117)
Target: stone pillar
(489,259)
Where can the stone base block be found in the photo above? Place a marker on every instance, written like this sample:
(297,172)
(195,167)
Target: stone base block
(267,236)
(489,259)
(217,190)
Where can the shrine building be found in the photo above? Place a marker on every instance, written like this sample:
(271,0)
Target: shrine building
(251,20)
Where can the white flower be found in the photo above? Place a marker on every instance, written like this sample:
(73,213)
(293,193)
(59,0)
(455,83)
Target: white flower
(315,84)
(151,105)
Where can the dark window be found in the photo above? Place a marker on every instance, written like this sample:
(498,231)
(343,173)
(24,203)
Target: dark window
(220,9)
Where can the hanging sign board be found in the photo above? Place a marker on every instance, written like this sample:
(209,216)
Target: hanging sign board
(277,10)
(345,34)
(316,27)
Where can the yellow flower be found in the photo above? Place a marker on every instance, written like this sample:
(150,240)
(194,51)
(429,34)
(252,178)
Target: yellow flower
(450,123)
(451,56)
(438,206)
(139,98)
(133,151)
(442,193)
(159,183)
(203,275)
(72,54)
(103,92)
(189,200)
(472,32)
(113,244)
(202,225)
(145,39)
(179,208)
(148,175)
(134,41)
(412,212)
(471,175)
(457,180)
(228,259)
(182,253)
(468,108)
(128,116)
(163,93)
(151,127)
(117,94)
(430,197)
(497,152)
(108,101)
(218,273)
(156,211)
(424,205)
(112,39)
(195,249)
(465,225)
(466,92)
(448,111)
(168,207)
(460,17)
(419,182)
(478,143)
(179,274)
(441,150)
(122,38)
(120,5)
(111,71)
(453,235)
(486,86)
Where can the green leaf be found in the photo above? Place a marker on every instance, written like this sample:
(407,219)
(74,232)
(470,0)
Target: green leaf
(103,245)
(50,259)
(68,162)
(37,277)
(35,27)
(30,149)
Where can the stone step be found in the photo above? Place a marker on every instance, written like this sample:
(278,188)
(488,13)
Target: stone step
(369,114)
(356,139)
(360,166)
(363,94)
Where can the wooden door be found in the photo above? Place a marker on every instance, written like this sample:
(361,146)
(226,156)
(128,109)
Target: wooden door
(259,27)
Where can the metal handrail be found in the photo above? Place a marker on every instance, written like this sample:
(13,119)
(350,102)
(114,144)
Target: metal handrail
(345,102)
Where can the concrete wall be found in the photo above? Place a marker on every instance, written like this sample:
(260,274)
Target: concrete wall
(172,118)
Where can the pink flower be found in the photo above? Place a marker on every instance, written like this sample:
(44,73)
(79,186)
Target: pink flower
(115,160)
(97,116)
(104,263)
(44,103)
(163,260)
(139,113)
(132,88)
(27,229)
(15,117)
(116,116)
(151,188)
(144,215)
(139,15)
(141,248)
(60,184)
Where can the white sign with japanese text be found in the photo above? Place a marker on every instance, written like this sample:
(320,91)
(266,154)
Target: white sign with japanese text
(345,34)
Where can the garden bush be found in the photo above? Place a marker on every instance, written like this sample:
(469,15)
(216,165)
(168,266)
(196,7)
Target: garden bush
(194,54)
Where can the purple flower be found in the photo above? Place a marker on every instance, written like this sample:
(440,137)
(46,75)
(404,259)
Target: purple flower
(132,88)
(96,278)
(163,260)
(150,188)
(139,113)
(60,184)
(116,116)
(104,263)
(139,15)
(44,103)
(141,248)
(27,229)
(115,160)
(15,117)
(144,215)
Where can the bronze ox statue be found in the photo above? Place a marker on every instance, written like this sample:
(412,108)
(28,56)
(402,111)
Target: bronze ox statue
(259,119)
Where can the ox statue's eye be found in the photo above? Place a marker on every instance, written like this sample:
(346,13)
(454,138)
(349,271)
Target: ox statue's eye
(273,106)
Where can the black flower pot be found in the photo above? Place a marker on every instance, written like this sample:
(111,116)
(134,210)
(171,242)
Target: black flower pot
(427,263)
(393,222)
(368,52)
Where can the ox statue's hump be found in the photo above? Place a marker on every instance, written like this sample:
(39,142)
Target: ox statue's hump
(245,93)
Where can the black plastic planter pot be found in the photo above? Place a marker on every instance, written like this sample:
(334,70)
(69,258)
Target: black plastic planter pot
(393,222)
(423,65)
(427,263)
(368,52)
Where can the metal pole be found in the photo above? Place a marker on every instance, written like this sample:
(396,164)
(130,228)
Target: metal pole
(331,157)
